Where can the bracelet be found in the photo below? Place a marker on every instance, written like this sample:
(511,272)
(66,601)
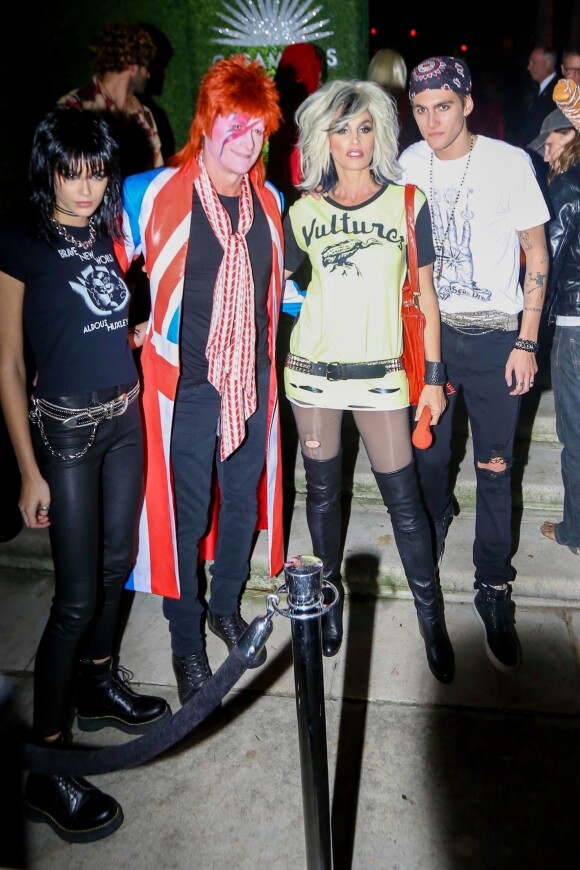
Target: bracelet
(526,344)
(435,373)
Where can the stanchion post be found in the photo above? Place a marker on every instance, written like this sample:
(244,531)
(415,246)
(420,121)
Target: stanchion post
(303,575)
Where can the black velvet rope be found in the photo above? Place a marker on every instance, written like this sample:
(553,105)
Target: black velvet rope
(171,729)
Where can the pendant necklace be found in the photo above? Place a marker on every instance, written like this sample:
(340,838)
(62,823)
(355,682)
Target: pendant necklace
(84,246)
(440,244)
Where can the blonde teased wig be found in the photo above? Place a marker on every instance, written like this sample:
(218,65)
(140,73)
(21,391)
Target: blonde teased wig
(327,110)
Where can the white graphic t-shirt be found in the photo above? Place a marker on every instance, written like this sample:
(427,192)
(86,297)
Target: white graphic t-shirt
(477,212)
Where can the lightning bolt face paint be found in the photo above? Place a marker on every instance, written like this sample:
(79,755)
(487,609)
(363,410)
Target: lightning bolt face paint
(234,145)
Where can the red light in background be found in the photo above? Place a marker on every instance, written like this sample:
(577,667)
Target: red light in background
(463,47)
(373,31)
(412,32)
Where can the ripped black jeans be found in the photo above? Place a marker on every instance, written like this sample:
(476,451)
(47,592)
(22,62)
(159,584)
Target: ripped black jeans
(476,366)
(94,503)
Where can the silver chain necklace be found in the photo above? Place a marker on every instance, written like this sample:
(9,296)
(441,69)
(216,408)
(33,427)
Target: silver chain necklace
(440,245)
(84,246)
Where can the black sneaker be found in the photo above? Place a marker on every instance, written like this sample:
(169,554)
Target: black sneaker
(494,609)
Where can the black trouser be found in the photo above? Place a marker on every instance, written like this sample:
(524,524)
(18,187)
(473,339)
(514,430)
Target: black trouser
(476,365)
(94,502)
(194,444)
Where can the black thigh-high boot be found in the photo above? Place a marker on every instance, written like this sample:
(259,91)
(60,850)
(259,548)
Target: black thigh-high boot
(400,493)
(323,514)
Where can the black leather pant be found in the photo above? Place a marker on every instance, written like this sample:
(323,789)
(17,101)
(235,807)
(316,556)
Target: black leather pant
(94,502)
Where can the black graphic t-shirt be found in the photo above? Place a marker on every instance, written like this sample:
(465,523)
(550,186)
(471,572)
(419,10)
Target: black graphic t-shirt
(75,311)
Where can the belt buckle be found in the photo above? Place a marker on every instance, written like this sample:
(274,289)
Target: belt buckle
(334,371)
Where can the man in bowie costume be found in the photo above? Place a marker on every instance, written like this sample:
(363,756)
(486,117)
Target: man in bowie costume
(209,229)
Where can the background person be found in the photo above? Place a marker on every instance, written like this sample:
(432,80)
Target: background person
(345,354)
(388,68)
(543,72)
(120,56)
(570,66)
(486,207)
(81,465)
(300,71)
(211,234)
(559,142)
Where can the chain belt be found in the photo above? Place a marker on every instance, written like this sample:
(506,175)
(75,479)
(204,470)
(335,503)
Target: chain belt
(482,321)
(336,371)
(75,418)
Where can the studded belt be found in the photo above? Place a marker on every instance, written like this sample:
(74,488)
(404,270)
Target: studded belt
(336,371)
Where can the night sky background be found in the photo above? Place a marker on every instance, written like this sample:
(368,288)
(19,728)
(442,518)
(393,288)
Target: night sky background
(494,38)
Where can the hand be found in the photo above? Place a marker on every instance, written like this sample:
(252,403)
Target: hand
(434,398)
(34,503)
(137,334)
(316,192)
(521,369)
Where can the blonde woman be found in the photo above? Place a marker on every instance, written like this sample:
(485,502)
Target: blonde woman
(345,349)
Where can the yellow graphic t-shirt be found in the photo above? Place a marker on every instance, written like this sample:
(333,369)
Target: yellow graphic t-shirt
(352,309)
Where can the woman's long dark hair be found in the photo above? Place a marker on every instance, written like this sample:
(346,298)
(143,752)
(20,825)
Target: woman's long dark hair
(71,140)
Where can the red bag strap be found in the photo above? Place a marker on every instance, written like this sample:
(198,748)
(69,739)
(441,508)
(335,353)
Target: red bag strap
(411,238)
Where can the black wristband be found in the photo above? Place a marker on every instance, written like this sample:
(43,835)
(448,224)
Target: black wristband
(526,344)
(435,374)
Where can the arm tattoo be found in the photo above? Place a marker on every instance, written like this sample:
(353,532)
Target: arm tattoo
(537,281)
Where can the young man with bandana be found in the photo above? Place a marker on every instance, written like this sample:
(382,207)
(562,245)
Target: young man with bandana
(487,208)
(210,232)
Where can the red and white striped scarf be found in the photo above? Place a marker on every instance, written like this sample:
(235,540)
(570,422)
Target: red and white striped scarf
(231,345)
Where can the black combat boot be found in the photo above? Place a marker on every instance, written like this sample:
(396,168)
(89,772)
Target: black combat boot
(105,699)
(76,810)
(400,493)
(323,514)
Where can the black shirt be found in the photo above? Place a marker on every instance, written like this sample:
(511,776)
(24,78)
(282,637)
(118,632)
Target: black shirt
(75,311)
(204,255)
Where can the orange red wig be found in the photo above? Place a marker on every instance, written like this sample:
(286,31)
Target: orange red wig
(234,84)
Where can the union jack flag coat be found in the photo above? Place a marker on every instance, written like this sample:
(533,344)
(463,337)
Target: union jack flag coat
(156,224)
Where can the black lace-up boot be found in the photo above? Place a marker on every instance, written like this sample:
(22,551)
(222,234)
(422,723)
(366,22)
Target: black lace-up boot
(76,810)
(229,629)
(400,493)
(106,699)
(323,514)
(191,672)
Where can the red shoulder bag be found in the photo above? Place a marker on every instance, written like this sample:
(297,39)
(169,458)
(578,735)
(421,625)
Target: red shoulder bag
(412,316)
